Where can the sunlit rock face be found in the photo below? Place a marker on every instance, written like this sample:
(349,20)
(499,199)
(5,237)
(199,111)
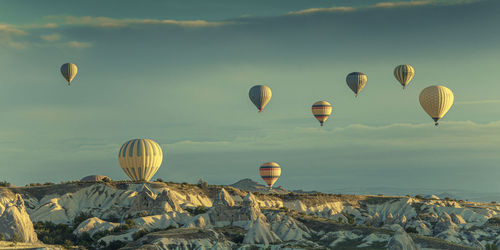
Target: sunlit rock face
(14,220)
(245,219)
(401,240)
(183,238)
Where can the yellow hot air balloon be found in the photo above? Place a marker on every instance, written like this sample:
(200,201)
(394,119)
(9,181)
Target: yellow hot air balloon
(69,70)
(140,159)
(436,101)
(322,110)
(356,82)
(260,95)
(270,172)
(404,73)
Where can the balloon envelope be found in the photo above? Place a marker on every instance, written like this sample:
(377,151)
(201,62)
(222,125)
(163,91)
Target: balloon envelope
(69,71)
(270,172)
(260,96)
(140,159)
(436,101)
(404,73)
(322,110)
(356,82)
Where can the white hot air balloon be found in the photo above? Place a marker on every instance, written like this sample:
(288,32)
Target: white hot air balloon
(140,159)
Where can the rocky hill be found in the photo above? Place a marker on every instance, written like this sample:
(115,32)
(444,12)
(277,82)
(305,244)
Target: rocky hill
(112,215)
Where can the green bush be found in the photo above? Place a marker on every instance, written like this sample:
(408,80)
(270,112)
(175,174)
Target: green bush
(139,234)
(491,247)
(4,184)
(2,236)
(116,244)
(81,217)
(50,233)
(419,196)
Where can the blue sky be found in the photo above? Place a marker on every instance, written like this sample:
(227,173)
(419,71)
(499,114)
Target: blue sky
(179,72)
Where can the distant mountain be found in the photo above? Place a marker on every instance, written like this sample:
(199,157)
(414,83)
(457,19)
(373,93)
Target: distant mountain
(253,186)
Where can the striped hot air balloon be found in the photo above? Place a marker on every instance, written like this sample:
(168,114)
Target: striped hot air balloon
(356,81)
(140,159)
(404,73)
(69,70)
(321,110)
(436,101)
(270,172)
(260,96)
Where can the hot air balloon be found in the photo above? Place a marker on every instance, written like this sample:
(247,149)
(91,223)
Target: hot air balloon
(356,81)
(140,159)
(321,110)
(69,70)
(404,73)
(260,96)
(270,172)
(436,101)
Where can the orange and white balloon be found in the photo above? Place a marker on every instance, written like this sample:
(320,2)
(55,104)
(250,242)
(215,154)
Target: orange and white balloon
(270,172)
(322,110)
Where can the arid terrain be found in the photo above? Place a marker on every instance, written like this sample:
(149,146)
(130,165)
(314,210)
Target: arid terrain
(112,215)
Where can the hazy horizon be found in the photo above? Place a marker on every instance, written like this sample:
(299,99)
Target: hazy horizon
(179,73)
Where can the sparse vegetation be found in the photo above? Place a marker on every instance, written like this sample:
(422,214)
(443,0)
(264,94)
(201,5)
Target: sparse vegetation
(491,247)
(50,233)
(419,196)
(4,184)
(197,210)
(159,180)
(81,217)
(116,244)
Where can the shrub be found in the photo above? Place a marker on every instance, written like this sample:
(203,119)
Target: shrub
(159,180)
(200,210)
(350,220)
(137,235)
(81,217)
(4,184)
(50,233)
(419,196)
(491,247)
(116,244)
(130,223)
(68,244)
(2,236)
(493,202)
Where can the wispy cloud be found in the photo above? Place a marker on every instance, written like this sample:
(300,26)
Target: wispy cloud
(51,37)
(423,136)
(380,5)
(79,45)
(479,102)
(318,10)
(403,4)
(8,33)
(108,22)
